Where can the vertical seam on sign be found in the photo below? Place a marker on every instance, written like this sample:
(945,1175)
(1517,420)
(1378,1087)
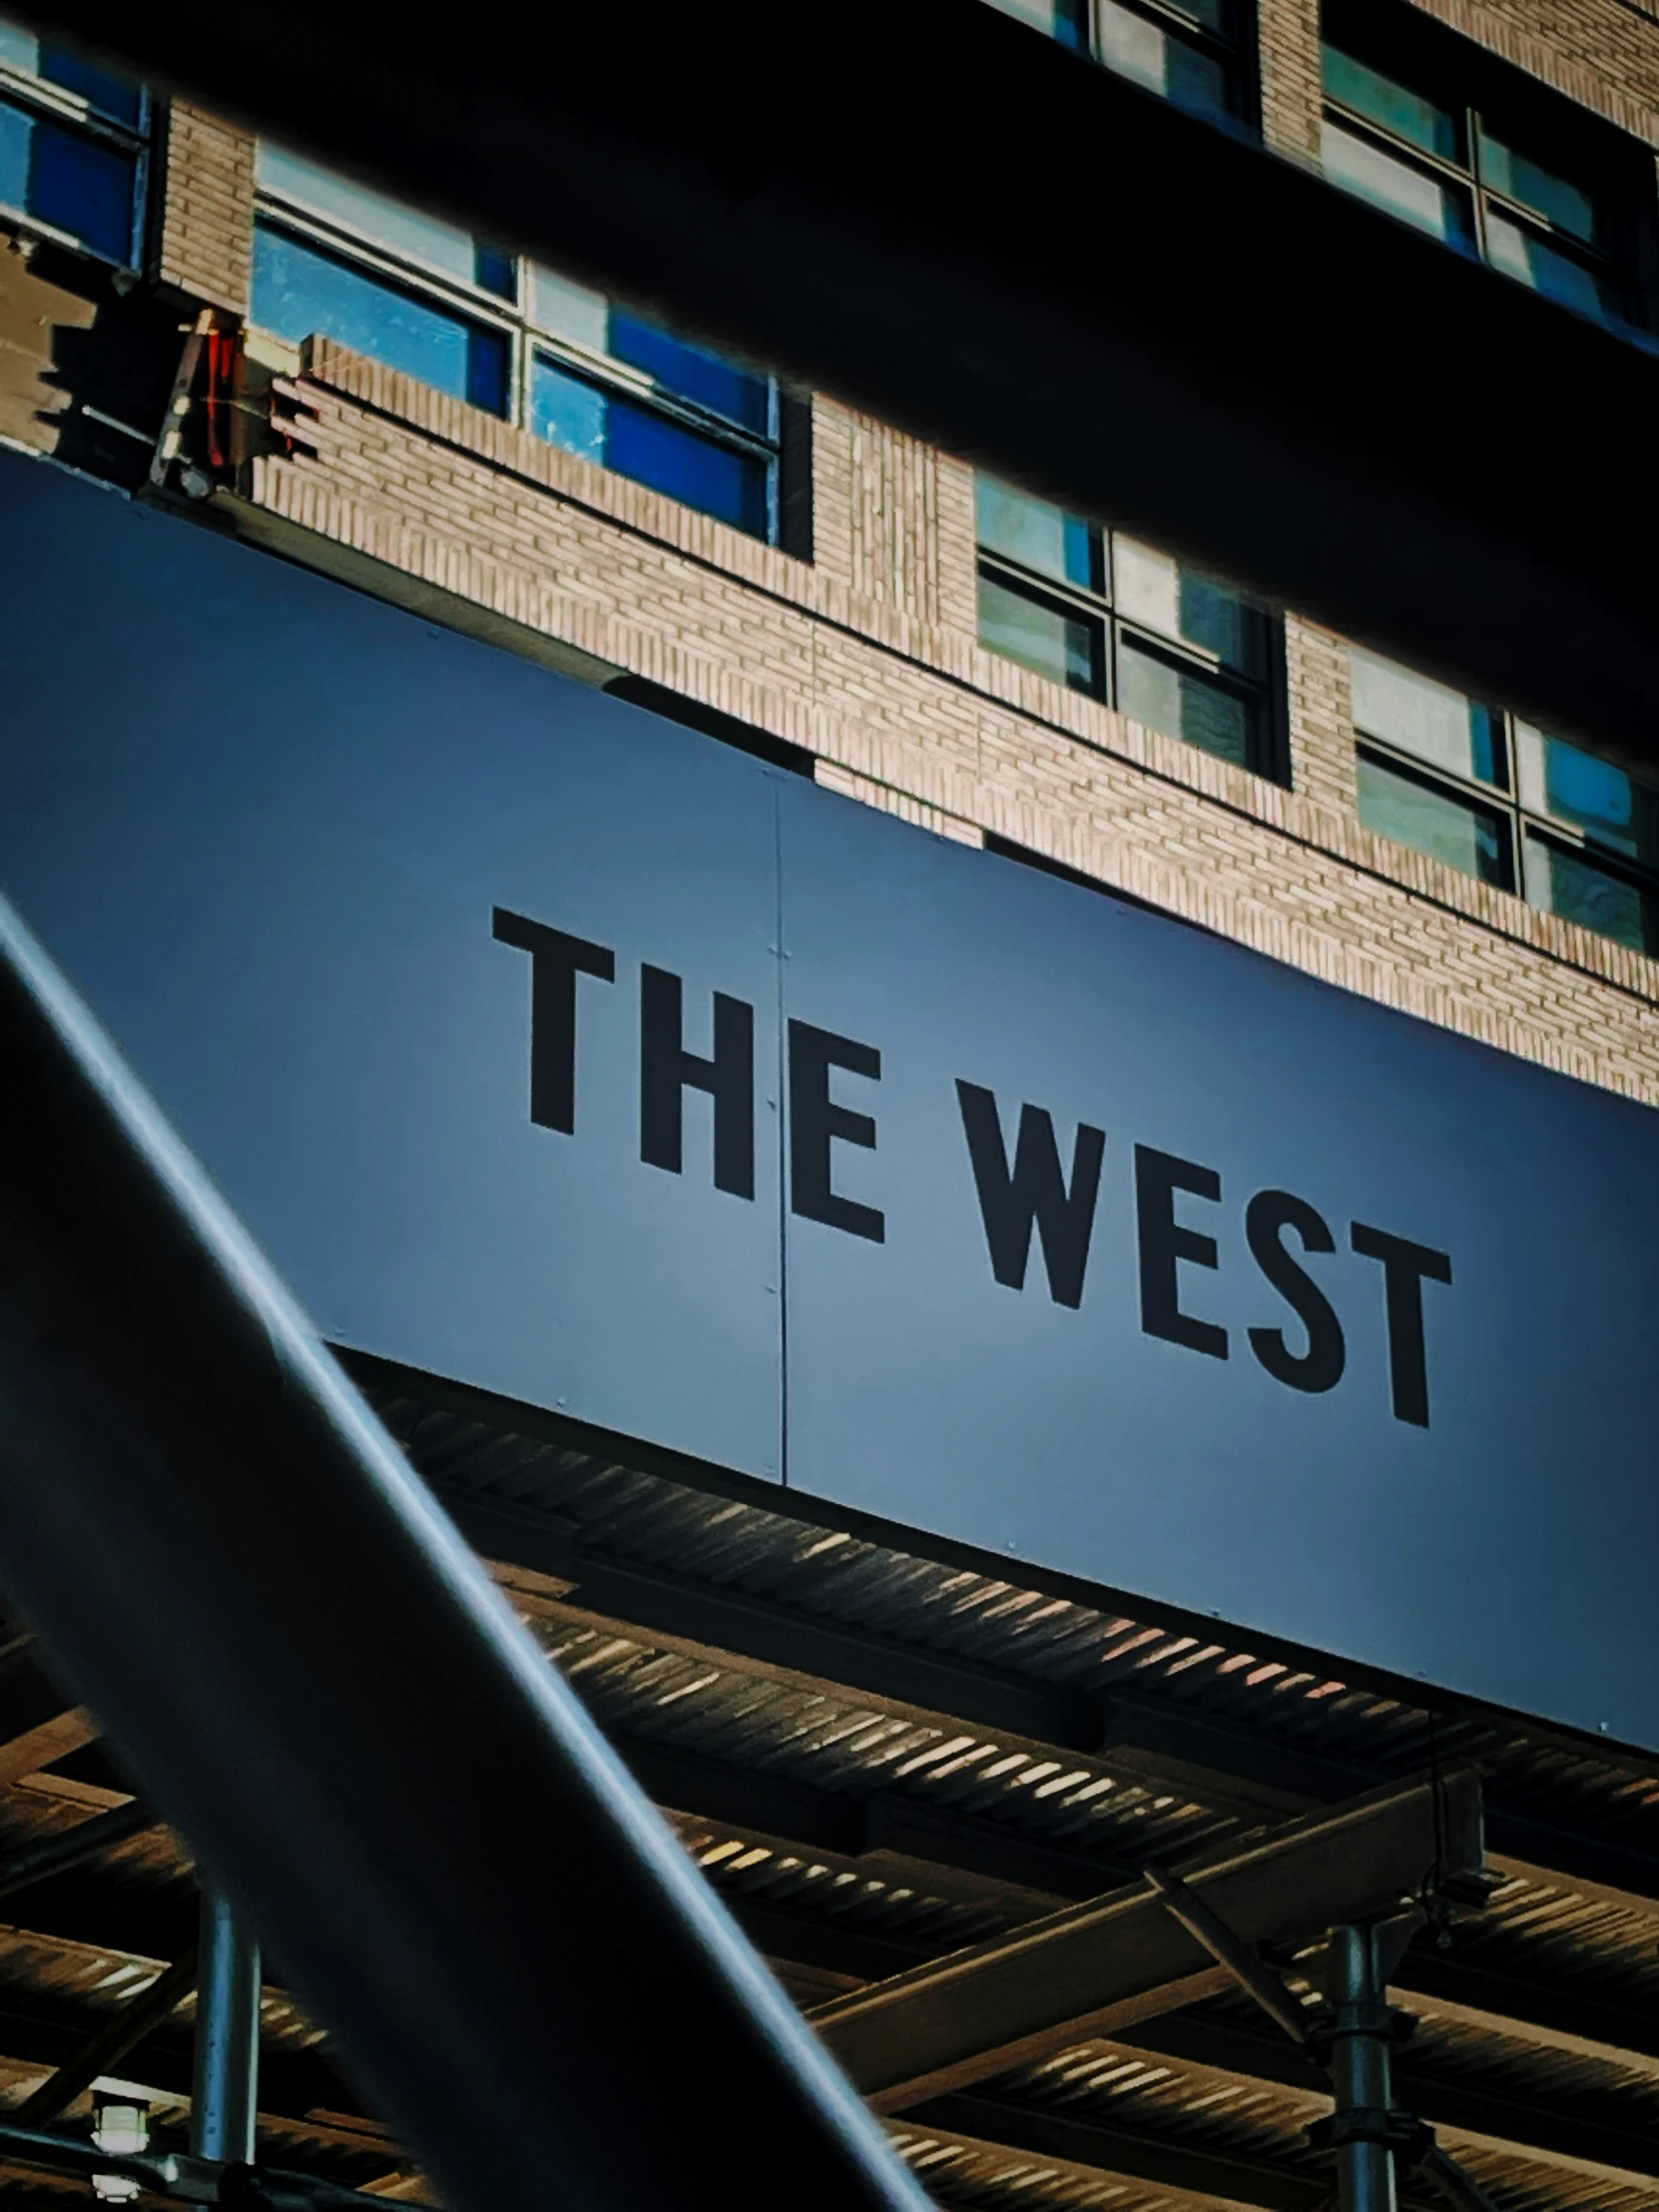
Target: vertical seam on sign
(777,955)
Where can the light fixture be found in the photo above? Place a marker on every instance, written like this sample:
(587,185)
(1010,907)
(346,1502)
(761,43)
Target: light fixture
(120,2129)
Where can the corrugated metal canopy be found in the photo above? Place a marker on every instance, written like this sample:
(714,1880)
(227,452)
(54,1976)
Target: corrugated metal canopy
(880,1757)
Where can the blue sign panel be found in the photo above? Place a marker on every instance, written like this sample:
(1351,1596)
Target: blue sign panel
(556,1049)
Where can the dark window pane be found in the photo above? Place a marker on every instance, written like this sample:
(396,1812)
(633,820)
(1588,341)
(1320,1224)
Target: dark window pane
(691,371)
(298,291)
(1525,257)
(1567,206)
(1411,194)
(1065,19)
(113,95)
(1159,593)
(1035,533)
(1182,702)
(1438,725)
(1382,100)
(1464,837)
(495,271)
(75,183)
(600,427)
(1163,61)
(1567,884)
(1045,638)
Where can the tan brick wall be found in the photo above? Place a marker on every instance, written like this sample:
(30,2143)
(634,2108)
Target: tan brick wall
(913,715)
(205,232)
(867,655)
(1289,46)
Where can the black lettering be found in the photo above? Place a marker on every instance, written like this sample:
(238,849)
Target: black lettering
(668,1070)
(1406,1268)
(555,962)
(1319,1368)
(1035,1193)
(815,1121)
(1164,1244)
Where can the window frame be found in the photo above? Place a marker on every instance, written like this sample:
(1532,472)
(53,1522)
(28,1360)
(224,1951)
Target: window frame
(74,111)
(1518,819)
(1265,694)
(1478,89)
(475,303)
(1077,27)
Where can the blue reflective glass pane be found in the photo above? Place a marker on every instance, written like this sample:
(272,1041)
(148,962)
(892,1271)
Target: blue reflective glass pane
(1525,257)
(691,371)
(1041,637)
(113,95)
(73,183)
(1567,884)
(711,477)
(599,427)
(298,291)
(1036,533)
(1137,47)
(567,412)
(1394,106)
(1569,206)
(1432,821)
(1177,699)
(495,271)
(1415,195)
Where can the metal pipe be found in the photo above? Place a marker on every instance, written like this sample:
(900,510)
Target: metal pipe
(1362,2048)
(224,2085)
(319,1687)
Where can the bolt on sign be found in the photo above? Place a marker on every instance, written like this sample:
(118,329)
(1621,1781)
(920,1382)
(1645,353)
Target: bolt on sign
(555,1049)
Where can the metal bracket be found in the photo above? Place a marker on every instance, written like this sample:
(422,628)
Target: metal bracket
(1308,2026)
(1399,2131)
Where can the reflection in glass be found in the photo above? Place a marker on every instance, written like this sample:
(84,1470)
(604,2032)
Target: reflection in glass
(72,183)
(600,426)
(1413,194)
(691,371)
(402,229)
(1398,110)
(1569,207)
(1162,61)
(1421,717)
(1039,635)
(113,95)
(1155,589)
(299,291)
(1616,810)
(1034,533)
(1179,701)
(1525,257)
(1432,821)
(1567,884)
(1064,20)
(567,310)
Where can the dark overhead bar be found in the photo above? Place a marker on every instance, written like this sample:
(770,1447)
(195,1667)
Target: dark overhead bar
(1032,262)
(299,1657)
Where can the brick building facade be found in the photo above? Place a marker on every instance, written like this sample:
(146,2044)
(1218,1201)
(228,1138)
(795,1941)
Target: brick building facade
(852,638)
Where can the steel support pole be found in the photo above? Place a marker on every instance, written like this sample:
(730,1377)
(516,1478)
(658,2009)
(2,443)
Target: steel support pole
(288,1643)
(1361,2049)
(225,2085)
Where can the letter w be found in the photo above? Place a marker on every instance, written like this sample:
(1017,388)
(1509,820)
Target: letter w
(1034,1193)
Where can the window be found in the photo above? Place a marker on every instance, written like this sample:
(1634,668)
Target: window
(1188,51)
(72,147)
(1453,142)
(1500,799)
(510,336)
(1101,613)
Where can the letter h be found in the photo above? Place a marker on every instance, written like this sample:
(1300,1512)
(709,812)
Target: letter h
(667,1070)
